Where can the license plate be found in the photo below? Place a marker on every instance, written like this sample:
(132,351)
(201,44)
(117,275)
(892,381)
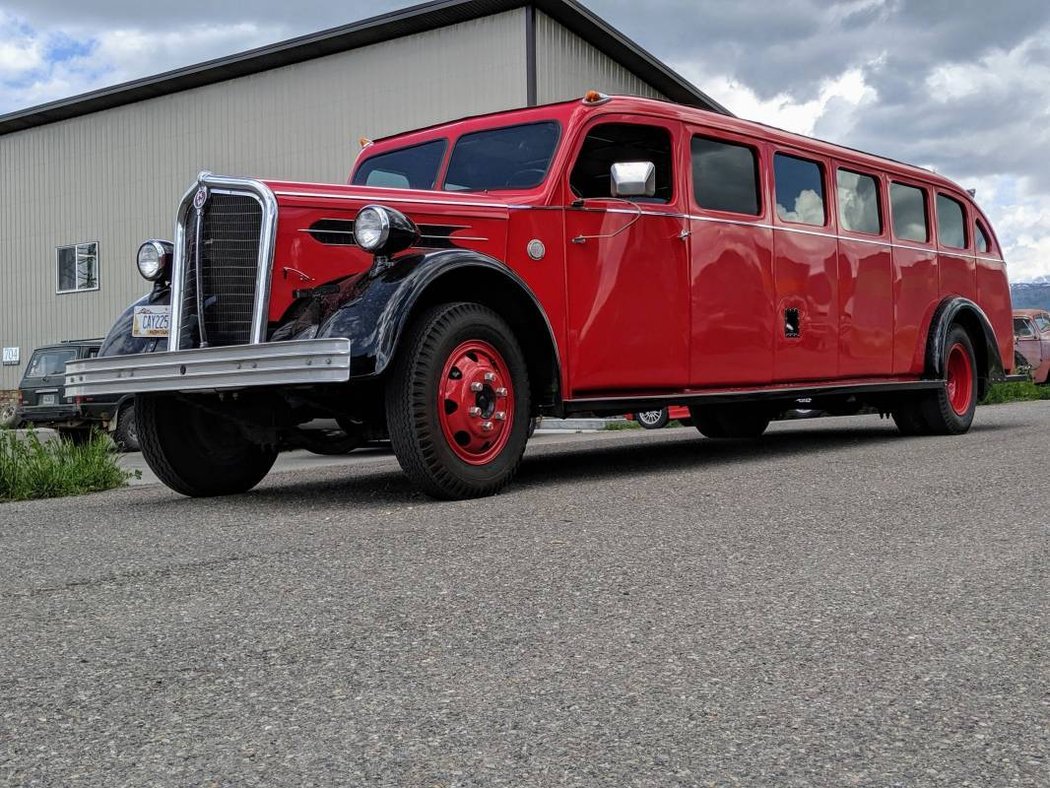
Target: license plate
(151,321)
(48,399)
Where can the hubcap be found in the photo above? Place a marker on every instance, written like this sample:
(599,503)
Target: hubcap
(960,379)
(476,402)
(650,417)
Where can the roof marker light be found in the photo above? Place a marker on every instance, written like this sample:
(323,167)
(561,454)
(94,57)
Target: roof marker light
(594,97)
(365,142)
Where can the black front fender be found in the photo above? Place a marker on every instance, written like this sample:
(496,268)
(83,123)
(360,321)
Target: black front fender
(120,342)
(379,306)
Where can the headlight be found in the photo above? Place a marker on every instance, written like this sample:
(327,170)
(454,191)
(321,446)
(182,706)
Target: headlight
(384,231)
(154,259)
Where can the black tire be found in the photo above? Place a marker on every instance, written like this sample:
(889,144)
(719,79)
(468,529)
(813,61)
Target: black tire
(416,384)
(652,419)
(730,421)
(197,452)
(126,436)
(950,409)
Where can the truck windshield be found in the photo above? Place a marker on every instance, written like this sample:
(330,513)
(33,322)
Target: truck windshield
(513,157)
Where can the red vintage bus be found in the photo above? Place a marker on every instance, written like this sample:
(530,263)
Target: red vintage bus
(601,256)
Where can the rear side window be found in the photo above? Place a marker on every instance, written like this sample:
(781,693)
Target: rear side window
(859,202)
(514,157)
(800,190)
(908,206)
(1022,328)
(1043,322)
(981,237)
(408,168)
(951,223)
(725,176)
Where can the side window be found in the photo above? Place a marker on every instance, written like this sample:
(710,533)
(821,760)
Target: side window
(951,222)
(800,190)
(984,246)
(908,206)
(609,143)
(725,176)
(858,202)
(1042,323)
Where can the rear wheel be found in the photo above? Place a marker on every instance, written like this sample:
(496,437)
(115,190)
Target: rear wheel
(730,421)
(652,419)
(457,402)
(196,451)
(948,410)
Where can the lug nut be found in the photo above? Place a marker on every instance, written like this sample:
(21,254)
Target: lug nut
(474,412)
(487,426)
(476,387)
(490,376)
(501,392)
(500,415)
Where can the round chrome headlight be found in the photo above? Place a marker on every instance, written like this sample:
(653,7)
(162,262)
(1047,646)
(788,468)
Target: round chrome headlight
(371,228)
(154,259)
(384,231)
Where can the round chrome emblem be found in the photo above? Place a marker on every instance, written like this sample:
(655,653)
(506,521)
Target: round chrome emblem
(536,249)
(200,198)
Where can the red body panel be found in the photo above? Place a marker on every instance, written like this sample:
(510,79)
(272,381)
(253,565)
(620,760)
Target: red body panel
(683,299)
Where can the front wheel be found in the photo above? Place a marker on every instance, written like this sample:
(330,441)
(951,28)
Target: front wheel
(457,402)
(126,435)
(652,419)
(196,450)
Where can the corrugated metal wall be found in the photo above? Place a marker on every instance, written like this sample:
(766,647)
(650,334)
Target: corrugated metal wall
(116,176)
(567,67)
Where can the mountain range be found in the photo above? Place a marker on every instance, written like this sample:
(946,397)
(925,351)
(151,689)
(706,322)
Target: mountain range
(1031,295)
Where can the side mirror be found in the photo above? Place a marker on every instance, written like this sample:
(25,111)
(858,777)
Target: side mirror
(633,179)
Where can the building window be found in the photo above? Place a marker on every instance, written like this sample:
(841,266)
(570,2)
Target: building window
(908,206)
(800,190)
(77,268)
(725,176)
(951,223)
(859,203)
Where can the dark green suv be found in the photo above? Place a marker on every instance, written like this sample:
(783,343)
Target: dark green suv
(42,400)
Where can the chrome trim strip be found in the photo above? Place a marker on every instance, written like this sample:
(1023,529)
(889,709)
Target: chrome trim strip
(367,200)
(799,231)
(247,187)
(299,362)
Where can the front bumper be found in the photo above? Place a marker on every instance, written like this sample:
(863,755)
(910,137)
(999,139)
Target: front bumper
(295,363)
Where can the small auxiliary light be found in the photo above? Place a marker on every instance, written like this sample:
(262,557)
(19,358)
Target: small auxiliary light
(594,97)
(365,142)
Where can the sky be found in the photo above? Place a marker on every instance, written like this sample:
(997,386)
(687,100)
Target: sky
(958,86)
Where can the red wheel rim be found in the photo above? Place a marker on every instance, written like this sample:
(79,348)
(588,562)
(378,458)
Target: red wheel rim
(476,402)
(960,379)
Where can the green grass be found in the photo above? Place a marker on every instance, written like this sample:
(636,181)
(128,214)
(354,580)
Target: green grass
(31,468)
(614,426)
(1015,392)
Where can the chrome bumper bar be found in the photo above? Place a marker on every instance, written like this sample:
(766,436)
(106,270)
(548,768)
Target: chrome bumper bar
(300,362)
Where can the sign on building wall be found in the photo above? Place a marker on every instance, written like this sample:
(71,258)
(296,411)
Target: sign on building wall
(11,356)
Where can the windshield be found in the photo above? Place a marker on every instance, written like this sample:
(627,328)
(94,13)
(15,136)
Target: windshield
(407,168)
(1022,328)
(513,157)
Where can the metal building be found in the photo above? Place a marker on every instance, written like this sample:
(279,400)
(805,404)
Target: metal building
(84,180)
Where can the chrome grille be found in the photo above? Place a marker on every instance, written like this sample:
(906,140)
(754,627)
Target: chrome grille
(220,271)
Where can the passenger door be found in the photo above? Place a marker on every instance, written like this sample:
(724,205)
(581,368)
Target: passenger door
(805,269)
(865,275)
(733,318)
(627,264)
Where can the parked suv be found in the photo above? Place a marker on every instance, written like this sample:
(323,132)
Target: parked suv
(42,399)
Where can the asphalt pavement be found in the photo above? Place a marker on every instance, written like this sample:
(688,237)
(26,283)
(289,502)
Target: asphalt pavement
(832,605)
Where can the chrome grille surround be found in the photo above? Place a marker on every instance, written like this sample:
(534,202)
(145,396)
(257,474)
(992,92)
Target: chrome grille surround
(190,271)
